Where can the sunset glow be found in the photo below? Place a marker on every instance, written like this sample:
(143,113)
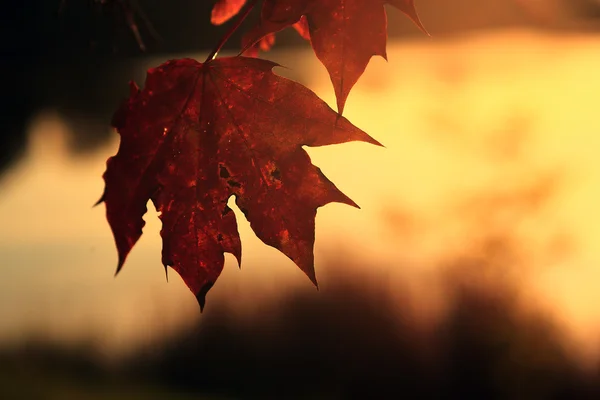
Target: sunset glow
(490,154)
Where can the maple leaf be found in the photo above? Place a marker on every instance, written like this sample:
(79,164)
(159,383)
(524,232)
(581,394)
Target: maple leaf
(224,10)
(266,42)
(198,133)
(345,34)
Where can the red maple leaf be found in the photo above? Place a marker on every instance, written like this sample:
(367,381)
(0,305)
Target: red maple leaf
(345,34)
(224,10)
(198,133)
(266,42)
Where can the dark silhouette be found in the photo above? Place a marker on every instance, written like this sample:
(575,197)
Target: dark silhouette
(352,340)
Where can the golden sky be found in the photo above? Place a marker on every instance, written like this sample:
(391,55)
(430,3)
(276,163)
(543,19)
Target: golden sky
(489,139)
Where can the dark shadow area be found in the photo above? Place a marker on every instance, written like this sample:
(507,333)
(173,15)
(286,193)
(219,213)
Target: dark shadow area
(76,59)
(353,340)
(84,92)
(587,8)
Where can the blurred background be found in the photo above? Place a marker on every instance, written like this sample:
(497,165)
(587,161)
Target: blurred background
(471,270)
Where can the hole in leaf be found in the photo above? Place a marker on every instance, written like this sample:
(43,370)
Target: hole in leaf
(223,172)
(276,174)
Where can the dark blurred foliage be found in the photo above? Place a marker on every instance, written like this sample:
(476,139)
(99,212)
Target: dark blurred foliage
(77,57)
(354,340)
(586,8)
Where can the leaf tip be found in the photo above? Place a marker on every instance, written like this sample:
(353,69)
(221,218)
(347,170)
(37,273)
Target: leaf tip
(341,102)
(100,200)
(238,258)
(201,295)
(119,265)
(347,200)
(308,267)
(123,252)
(133,88)
(421,27)
(376,142)
(313,278)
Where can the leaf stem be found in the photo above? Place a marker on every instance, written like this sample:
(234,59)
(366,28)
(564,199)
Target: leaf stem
(231,31)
